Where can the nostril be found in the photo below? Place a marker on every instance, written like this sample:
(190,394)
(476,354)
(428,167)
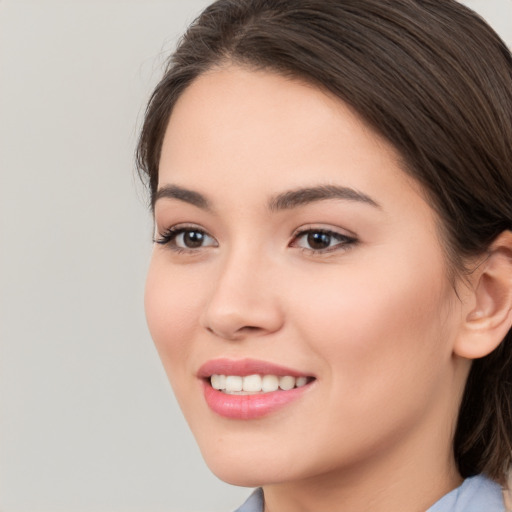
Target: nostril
(237,334)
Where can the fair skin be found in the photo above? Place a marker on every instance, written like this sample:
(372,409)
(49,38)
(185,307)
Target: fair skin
(350,290)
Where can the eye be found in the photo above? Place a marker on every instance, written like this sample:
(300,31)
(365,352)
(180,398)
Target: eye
(321,240)
(185,238)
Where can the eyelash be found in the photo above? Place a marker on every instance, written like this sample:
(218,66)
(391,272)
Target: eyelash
(344,242)
(168,238)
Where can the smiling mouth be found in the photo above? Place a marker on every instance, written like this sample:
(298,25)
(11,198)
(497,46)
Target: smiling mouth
(256,384)
(250,389)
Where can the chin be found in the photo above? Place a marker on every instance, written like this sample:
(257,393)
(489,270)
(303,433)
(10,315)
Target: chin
(245,478)
(248,469)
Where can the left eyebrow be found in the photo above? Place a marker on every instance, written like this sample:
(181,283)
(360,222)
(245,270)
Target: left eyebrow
(302,196)
(182,194)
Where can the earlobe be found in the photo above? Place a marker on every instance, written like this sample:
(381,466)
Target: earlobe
(489,317)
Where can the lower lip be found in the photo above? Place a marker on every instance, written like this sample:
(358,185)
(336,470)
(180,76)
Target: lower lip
(249,407)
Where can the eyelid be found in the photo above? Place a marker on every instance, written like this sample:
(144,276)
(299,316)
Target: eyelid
(345,240)
(325,228)
(166,237)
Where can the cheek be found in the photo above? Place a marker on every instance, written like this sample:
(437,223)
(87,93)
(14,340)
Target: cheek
(379,325)
(384,346)
(171,305)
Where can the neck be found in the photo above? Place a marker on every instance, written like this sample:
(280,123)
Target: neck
(410,475)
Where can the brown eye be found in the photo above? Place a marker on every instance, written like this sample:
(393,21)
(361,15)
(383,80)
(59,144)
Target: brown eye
(318,240)
(185,238)
(191,239)
(322,241)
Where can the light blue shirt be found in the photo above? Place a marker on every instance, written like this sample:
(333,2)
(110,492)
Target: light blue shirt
(476,494)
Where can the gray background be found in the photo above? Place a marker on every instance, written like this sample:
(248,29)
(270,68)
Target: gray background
(87,419)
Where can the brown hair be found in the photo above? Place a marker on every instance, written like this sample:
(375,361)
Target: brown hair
(432,78)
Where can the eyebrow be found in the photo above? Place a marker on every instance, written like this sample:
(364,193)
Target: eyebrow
(284,201)
(182,194)
(303,196)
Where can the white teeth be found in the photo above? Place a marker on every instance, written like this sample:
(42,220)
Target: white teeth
(234,384)
(301,381)
(252,383)
(269,383)
(287,382)
(218,381)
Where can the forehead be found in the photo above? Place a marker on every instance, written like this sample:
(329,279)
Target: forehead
(259,131)
(261,98)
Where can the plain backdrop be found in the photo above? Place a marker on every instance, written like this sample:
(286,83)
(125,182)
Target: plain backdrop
(87,419)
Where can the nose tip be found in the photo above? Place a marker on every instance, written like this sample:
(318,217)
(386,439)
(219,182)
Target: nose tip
(245,321)
(242,306)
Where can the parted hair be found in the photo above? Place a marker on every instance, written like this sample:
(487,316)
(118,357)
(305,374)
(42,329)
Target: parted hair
(432,78)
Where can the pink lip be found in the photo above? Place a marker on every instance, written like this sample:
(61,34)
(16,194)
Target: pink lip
(243,367)
(247,407)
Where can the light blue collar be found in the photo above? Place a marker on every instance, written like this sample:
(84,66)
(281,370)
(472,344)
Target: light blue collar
(476,494)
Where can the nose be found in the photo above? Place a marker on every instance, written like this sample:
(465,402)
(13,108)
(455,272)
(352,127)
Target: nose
(244,300)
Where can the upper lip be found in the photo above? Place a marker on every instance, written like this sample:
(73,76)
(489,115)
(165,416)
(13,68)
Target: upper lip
(243,367)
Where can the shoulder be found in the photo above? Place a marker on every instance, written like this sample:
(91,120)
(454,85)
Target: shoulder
(476,494)
(254,502)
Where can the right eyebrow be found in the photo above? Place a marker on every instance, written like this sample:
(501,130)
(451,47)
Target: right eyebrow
(182,194)
(302,196)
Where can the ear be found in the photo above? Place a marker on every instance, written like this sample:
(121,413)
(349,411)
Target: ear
(488,316)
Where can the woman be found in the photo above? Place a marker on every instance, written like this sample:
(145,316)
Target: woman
(330,290)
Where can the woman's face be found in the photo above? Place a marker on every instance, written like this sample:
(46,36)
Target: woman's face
(293,250)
